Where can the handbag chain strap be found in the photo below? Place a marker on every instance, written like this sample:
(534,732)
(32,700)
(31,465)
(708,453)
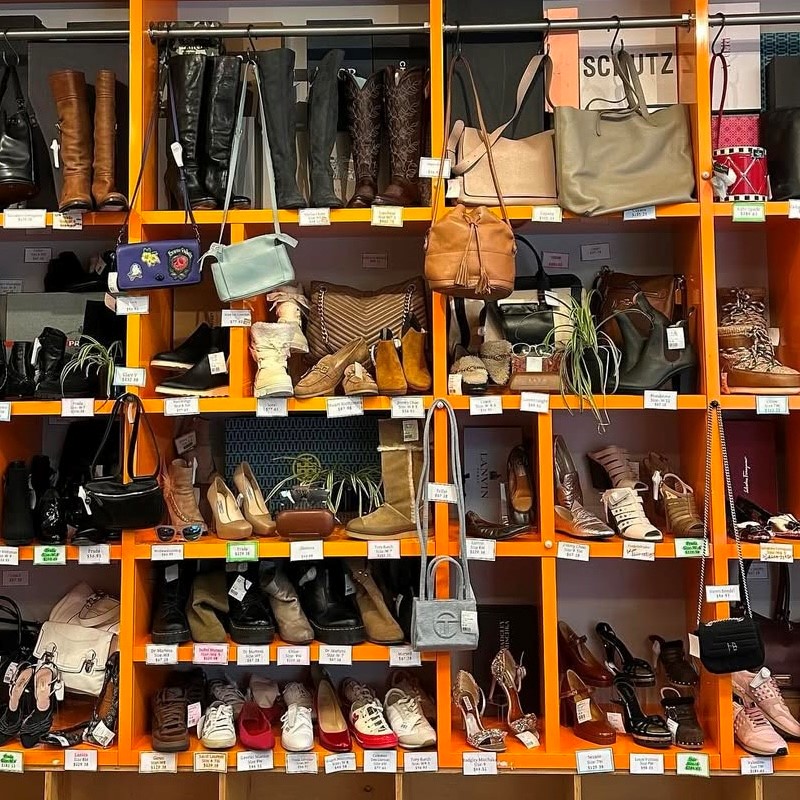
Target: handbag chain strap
(321,308)
(714,413)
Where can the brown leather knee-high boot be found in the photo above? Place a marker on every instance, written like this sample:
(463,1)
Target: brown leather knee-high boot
(72,104)
(106,197)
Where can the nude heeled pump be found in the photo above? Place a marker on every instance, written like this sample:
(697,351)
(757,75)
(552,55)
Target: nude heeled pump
(254,506)
(228,520)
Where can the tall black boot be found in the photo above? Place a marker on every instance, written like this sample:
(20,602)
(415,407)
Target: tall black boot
(20,371)
(188,73)
(49,363)
(323,112)
(277,79)
(18,528)
(172,584)
(223,101)
(250,620)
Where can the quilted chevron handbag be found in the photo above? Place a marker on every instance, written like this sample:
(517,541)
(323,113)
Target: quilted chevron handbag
(339,313)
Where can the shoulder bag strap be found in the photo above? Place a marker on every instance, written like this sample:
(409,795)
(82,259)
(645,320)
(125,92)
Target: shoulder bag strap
(716,117)
(783,597)
(115,412)
(542,278)
(139,415)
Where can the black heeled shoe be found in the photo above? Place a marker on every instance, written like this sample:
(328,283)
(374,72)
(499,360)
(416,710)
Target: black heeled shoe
(635,670)
(648,730)
(656,365)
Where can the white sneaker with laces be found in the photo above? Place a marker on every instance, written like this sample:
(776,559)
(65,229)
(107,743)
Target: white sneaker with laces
(216,728)
(297,694)
(404,714)
(369,726)
(297,734)
(754,733)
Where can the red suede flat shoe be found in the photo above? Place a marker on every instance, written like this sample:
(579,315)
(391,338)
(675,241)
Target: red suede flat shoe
(255,732)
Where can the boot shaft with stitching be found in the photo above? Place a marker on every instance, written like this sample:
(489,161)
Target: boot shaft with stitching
(364,118)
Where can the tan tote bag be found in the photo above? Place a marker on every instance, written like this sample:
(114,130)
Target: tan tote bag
(616,159)
(526,168)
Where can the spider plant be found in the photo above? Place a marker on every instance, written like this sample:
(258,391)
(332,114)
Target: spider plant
(92,355)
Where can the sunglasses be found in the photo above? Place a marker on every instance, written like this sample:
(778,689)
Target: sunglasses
(189,533)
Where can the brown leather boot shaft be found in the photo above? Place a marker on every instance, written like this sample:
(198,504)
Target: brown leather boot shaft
(72,104)
(105,140)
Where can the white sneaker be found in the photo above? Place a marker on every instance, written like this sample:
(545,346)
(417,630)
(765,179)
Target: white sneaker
(297,734)
(762,689)
(224,690)
(404,714)
(216,729)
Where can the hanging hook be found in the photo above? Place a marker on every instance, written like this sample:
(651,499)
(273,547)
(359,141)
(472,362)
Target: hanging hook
(714,50)
(250,38)
(546,39)
(458,39)
(616,35)
(15,62)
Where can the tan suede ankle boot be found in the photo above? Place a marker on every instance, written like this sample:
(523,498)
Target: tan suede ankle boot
(180,496)
(381,626)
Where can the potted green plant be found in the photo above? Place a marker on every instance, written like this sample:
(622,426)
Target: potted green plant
(92,357)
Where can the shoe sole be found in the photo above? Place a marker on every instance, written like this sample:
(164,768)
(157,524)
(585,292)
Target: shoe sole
(220,391)
(180,637)
(170,747)
(417,746)
(249,636)
(171,364)
(356,635)
(226,744)
(381,536)
(284,389)
(297,749)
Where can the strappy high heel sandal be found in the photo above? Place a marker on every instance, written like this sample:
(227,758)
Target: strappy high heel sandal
(469,698)
(508,674)
(38,723)
(610,468)
(620,661)
(19,703)
(649,730)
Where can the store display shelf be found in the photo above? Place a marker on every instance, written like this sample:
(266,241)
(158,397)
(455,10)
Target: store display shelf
(516,756)
(248,405)
(773,209)
(610,548)
(752,552)
(51,408)
(748,402)
(93,219)
(788,763)
(26,553)
(672,210)
(259,216)
(338,544)
(528,545)
(360,652)
(46,757)
(611,402)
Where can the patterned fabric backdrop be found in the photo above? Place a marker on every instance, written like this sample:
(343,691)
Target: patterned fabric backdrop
(785,43)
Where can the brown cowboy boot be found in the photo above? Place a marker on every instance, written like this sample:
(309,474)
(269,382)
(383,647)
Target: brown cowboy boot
(106,197)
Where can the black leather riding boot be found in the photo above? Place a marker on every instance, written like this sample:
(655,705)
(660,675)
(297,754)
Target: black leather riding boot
(18,528)
(172,582)
(250,620)
(49,363)
(323,112)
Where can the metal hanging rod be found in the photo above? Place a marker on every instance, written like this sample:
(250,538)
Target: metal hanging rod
(587,24)
(56,34)
(779,18)
(295,30)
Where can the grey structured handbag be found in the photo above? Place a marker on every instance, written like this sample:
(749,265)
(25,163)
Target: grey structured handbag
(616,159)
(260,264)
(439,623)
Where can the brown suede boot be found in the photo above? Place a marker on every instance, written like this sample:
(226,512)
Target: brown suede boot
(401,464)
(106,197)
(72,104)
(381,626)
(180,497)
(388,371)
(415,366)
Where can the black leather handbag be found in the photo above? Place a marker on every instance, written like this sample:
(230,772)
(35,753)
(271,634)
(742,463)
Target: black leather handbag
(780,135)
(530,321)
(17,174)
(111,503)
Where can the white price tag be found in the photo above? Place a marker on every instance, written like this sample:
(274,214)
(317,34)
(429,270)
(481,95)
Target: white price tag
(50,555)
(381,551)
(166,552)
(420,762)
(129,376)
(616,721)
(403,656)
(272,407)
(453,189)
(38,255)
(25,218)
(583,710)
(573,551)
(638,551)
(338,407)
(113,283)
(15,577)
(217,364)
(794,209)
(442,493)
(181,406)
(77,407)
(9,557)
(756,765)
(661,401)
(555,260)
(209,653)
(676,339)
(301,762)
(387,216)
(641,764)
(159,654)
(5,412)
(749,212)
(335,654)
(305,551)
(479,763)
(780,553)
(694,645)
(600,759)
(210,762)
(534,364)
(340,762)
(254,760)
(132,304)
(236,318)
(483,406)
(10,761)
(695,764)
(380,761)
(68,221)
(80,760)
(645,212)
(429,167)
(408,408)
(94,554)
(294,656)
(410,430)
(529,739)
(547,214)
(596,252)
(772,404)
(454,383)
(469,621)
(534,402)
(252,655)
(690,548)
(158,762)
(312,217)
(723,594)
(481,549)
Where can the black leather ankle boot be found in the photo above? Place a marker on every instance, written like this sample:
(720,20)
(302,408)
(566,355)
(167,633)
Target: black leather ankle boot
(250,620)
(49,363)
(201,380)
(18,528)
(172,583)
(20,371)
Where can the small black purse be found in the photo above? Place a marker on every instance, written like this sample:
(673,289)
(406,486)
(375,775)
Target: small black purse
(110,502)
(733,644)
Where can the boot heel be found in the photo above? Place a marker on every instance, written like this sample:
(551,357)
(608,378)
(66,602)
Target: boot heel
(685,382)
(600,478)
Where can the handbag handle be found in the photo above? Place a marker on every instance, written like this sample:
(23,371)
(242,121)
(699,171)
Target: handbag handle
(484,136)
(714,413)
(542,278)
(716,117)
(422,505)
(541,62)
(462,591)
(119,410)
(632,86)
